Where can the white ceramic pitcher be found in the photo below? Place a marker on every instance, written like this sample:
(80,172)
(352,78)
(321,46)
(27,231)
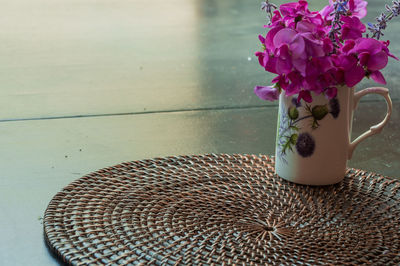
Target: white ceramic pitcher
(313,140)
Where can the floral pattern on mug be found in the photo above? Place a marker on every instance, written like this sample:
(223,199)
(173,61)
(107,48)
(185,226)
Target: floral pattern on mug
(291,135)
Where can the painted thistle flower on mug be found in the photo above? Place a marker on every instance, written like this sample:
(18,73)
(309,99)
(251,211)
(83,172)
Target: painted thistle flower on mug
(316,54)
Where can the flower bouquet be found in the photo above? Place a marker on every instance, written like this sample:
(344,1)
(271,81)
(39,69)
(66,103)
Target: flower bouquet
(318,58)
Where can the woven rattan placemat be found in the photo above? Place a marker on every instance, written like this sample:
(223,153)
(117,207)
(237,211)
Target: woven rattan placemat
(222,209)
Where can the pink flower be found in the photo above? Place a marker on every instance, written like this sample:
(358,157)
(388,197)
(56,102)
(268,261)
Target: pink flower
(269,39)
(305,95)
(311,53)
(292,11)
(290,14)
(281,81)
(327,11)
(360,58)
(267,93)
(296,83)
(386,49)
(378,77)
(276,18)
(348,45)
(327,45)
(354,76)
(357,8)
(267,61)
(372,56)
(292,40)
(352,28)
(353,71)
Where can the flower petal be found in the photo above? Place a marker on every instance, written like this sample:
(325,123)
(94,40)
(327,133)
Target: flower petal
(305,26)
(269,39)
(364,57)
(393,56)
(270,65)
(351,4)
(385,48)
(305,95)
(297,46)
(283,66)
(267,93)
(347,62)
(377,61)
(327,45)
(261,58)
(300,64)
(349,32)
(378,77)
(283,52)
(353,76)
(360,9)
(261,38)
(314,48)
(349,44)
(368,45)
(284,36)
(326,11)
(352,28)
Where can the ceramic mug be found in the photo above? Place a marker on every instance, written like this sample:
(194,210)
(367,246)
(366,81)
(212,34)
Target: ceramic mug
(313,140)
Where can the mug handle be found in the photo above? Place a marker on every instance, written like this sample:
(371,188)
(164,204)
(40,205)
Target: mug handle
(374,129)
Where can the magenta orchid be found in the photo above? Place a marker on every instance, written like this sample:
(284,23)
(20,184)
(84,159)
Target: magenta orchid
(319,52)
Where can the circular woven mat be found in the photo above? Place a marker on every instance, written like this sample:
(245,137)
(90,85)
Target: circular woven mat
(222,209)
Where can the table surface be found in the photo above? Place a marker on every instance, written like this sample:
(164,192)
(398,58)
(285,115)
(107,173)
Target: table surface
(90,84)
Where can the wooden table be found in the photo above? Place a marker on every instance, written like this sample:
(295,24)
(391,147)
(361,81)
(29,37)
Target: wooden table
(90,84)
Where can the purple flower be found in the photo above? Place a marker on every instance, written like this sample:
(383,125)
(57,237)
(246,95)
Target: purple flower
(305,145)
(268,7)
(296,102)
(267,93)
(395,9)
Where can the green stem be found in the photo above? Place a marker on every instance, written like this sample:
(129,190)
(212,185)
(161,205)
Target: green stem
(304,117)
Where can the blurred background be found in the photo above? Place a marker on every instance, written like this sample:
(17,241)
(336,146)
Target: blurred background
(86,84)
(91,57)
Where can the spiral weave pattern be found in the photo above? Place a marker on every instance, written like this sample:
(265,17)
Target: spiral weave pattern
(222,209)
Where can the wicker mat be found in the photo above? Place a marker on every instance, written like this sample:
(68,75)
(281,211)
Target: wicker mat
(222,209)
